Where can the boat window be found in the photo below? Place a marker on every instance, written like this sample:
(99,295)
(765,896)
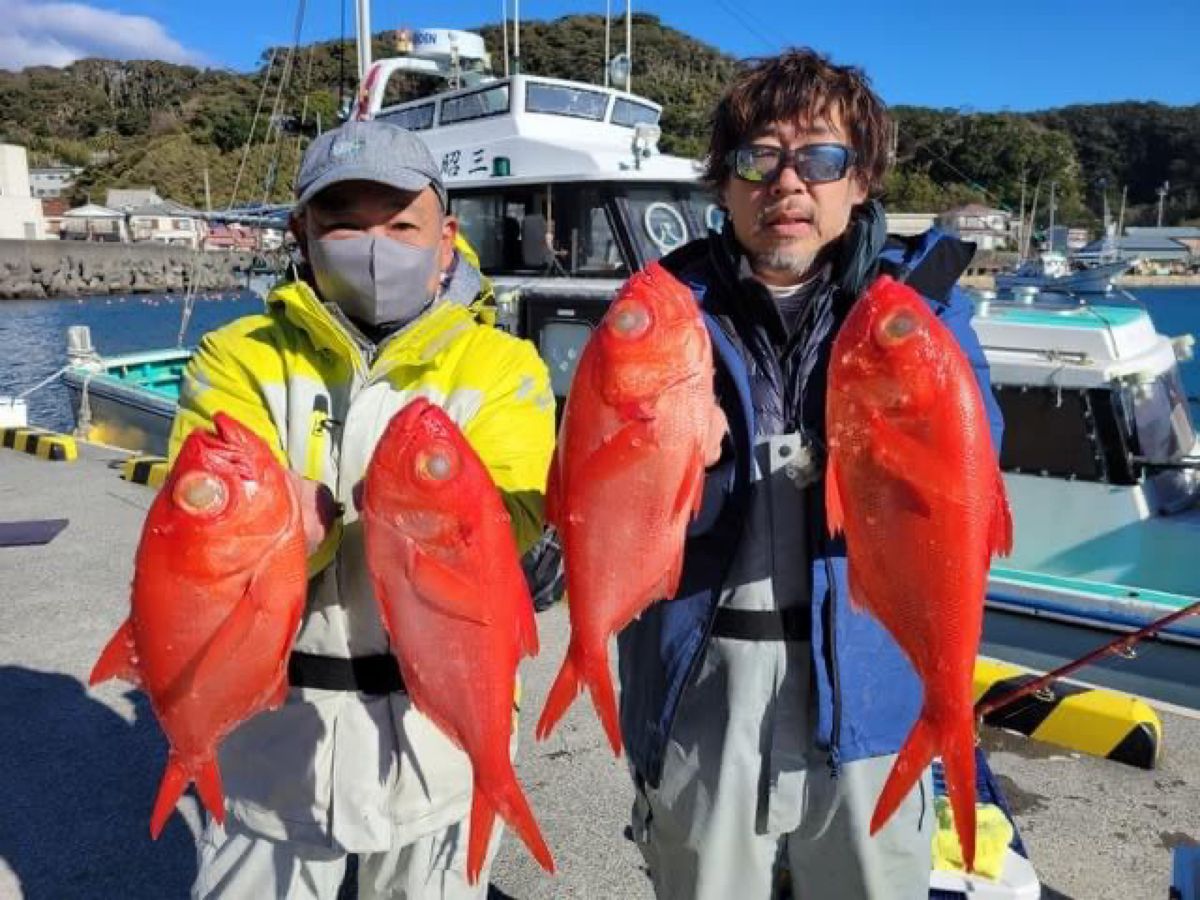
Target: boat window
(491,101)
(1065,433)
(481,217)
(559,100)
(589,238)
(663,217)
(1162,422)
(627,113)
(415,118)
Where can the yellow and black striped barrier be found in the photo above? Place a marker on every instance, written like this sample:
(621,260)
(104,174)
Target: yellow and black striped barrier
(148,470)
(1097,722)
(40,443)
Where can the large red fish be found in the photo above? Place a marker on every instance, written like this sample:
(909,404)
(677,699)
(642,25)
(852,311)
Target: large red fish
(448,579)
(914,484)
(628,474)
(218,592)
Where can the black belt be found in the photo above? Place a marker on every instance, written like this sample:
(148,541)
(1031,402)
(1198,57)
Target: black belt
(793,624)
(369,674)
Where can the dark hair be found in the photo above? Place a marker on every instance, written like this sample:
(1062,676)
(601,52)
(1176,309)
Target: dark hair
(801,84)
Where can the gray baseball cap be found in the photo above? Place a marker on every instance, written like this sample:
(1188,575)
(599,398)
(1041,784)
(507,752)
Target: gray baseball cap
(368,151)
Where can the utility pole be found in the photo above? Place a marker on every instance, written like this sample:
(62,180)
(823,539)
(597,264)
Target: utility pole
(207,191)
(1162,198)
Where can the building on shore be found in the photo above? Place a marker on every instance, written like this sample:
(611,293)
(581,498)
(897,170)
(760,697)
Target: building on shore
(126,200)
(168,222)
(53,210)
(907,224)
(986,228)
(1188,235)
(20,212)
(1149,252)
(92,222)
(52,182)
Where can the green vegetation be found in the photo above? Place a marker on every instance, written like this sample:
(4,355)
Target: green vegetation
(141,123)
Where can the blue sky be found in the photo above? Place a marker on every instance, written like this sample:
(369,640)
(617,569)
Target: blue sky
(1017,54)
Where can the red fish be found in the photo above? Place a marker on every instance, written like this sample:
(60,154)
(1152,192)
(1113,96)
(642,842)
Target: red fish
(218,591)
(628,474)
(913,482)
(448,579)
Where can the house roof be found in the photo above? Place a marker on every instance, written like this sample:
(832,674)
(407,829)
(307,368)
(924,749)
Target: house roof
(1137,243)
(1176,232)
(165,208)
(976,209)
(129,198)
(93,211)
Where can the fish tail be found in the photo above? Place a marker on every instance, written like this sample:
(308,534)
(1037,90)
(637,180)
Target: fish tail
(915,756)
(511,803)
(599,680)
(959,758)
(562,694)
(208,786)
(483,815)
(578,668)
(175,779)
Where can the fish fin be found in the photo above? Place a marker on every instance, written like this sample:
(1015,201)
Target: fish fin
(212,793)
(553,502)
(1001,537)
(915,756)
(510,801)
(691,488)
(615,456)
(483,816)
(835,515)
(442,588)
(959,760)
(280,693)
(912,469)
(175,779)
(576,670)
(858,596)
(116,659)
(527,626)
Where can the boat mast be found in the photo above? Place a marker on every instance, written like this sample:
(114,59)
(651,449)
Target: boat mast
(1020,224)
(362,24)
(516,66)
(1050,229)
(504,19)
(629,53)
(607,37)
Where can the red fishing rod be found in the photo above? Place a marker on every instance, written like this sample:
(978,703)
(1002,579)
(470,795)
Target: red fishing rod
(1122,646)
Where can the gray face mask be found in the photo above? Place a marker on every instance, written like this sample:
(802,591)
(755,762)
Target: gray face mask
(374,280)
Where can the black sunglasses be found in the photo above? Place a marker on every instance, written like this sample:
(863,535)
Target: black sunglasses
(816,163)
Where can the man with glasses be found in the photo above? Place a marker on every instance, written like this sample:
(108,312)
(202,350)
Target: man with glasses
(761,711)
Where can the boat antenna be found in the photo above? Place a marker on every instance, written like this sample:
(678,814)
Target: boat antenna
(504,20)
(1050,227)
(629,45)
(1121,214)
(342,62)
(1021,220)
(362,23)
(607,37)
(516,66)
(1162,198)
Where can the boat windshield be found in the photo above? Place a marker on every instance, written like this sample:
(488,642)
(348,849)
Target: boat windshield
(661,217)
(1165,434)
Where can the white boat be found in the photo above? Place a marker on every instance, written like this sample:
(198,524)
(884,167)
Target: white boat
(1102,466)
(1052,272)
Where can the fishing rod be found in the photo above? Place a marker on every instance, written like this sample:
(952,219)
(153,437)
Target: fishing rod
(1122,646)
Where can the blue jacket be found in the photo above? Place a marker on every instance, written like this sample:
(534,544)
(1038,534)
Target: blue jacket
(867,696)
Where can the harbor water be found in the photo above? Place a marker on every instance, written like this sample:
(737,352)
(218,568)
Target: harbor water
(33,335)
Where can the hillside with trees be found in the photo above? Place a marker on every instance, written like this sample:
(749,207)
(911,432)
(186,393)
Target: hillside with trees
(140,123)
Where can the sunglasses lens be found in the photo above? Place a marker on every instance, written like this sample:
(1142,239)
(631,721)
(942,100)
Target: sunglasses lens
(823,163)
(754,165)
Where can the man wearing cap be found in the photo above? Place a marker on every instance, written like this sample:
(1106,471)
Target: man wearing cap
(383,311)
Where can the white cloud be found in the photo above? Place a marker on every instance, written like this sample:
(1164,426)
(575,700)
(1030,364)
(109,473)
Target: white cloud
(35,33)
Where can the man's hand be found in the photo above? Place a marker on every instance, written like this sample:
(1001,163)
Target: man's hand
(318,509)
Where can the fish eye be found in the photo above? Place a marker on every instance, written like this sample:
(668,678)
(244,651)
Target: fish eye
(896,328)
(629,320)
(200,494)
(438,464)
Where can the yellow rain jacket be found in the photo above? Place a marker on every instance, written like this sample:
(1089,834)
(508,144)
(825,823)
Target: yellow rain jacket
(337,768)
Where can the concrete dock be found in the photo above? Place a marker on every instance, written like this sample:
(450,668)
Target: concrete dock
(79,768)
